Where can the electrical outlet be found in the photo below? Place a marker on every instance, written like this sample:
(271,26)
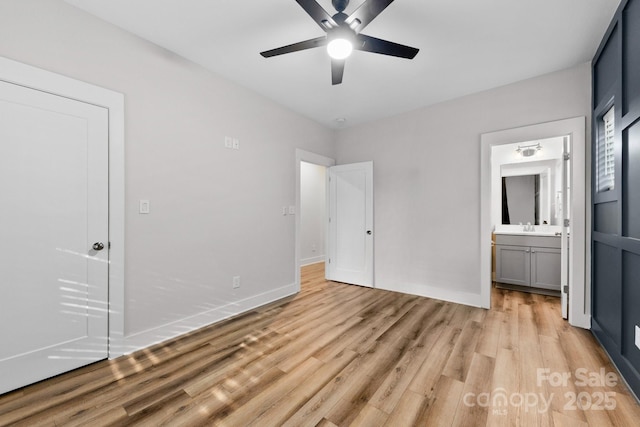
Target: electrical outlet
(235,144)
(637,336)
(236,282)
(292,210)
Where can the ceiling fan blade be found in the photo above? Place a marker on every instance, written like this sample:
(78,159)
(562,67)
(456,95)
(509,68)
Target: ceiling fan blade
(318,14)
(366,13)
(337,70)
(372,44)
(295,47)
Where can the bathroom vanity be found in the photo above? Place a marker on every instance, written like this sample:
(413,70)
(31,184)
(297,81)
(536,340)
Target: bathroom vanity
(528,261)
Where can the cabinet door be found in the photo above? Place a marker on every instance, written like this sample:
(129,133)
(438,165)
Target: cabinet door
(545,268)
(513,265)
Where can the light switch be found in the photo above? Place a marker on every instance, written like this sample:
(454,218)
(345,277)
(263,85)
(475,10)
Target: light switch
(284,210)
(236,144)
(228,142)
(144,206)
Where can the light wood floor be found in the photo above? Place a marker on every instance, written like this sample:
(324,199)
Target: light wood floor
(339,355)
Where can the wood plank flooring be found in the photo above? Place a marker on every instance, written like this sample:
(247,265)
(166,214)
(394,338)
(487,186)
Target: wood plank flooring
(341,355)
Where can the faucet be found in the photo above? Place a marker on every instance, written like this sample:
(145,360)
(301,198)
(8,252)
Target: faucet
(528,227)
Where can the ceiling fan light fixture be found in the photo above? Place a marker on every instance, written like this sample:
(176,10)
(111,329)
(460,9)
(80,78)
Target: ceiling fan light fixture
(344,34)
(339,48)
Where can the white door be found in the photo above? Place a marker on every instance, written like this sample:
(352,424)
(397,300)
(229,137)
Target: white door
(350,239)
(566,235)
(54,207)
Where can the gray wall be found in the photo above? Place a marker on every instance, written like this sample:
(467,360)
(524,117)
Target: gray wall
(215,212)
(427,178)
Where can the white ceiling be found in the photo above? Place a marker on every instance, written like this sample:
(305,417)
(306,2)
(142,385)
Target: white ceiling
(466,46)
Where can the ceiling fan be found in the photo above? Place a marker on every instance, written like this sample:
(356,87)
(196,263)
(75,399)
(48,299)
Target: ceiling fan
(343,34)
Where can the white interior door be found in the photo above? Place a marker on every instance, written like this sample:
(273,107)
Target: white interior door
(54,192)
(566,237)
(350,239)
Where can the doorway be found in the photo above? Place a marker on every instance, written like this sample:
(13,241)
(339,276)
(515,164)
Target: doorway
(529,241)
(309,246)
(313,211)
(348,220)
(578,253)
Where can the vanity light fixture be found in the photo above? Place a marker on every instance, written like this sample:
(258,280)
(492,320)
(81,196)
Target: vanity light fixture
(528,150)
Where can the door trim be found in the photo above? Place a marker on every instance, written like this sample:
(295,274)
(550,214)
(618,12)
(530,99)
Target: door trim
(580,251)
(56,84)
(316,159)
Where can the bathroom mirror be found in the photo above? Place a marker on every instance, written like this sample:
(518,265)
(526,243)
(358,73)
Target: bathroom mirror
(521,199)
(529,193)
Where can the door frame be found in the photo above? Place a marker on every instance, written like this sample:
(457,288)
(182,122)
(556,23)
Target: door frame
(316,159)
(56,84)
(580,251)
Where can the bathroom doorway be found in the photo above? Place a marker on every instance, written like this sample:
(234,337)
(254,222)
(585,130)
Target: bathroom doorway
(528,208)
(570,134)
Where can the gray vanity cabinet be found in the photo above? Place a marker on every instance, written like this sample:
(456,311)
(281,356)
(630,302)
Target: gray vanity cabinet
(545,268)
(513,265)
(528,260)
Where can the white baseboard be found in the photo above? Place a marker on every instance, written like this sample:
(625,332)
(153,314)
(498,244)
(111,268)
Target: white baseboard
(147,338)
(312,260)
(443,294)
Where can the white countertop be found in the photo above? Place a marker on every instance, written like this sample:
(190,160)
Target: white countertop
(518,230)
(528,233)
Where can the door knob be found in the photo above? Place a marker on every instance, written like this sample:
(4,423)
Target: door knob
(369,232)
(98,246)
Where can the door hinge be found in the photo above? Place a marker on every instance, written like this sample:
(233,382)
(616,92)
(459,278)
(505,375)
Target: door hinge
(108,245)
(329,219)
(329,260)
(566,156)
(567,222)
(565,289)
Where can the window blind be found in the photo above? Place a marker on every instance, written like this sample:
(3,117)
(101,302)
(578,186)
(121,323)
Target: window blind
(606,153)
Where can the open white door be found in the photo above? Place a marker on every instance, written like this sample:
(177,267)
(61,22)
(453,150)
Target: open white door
(53,235)
(350,237)
(565,223)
